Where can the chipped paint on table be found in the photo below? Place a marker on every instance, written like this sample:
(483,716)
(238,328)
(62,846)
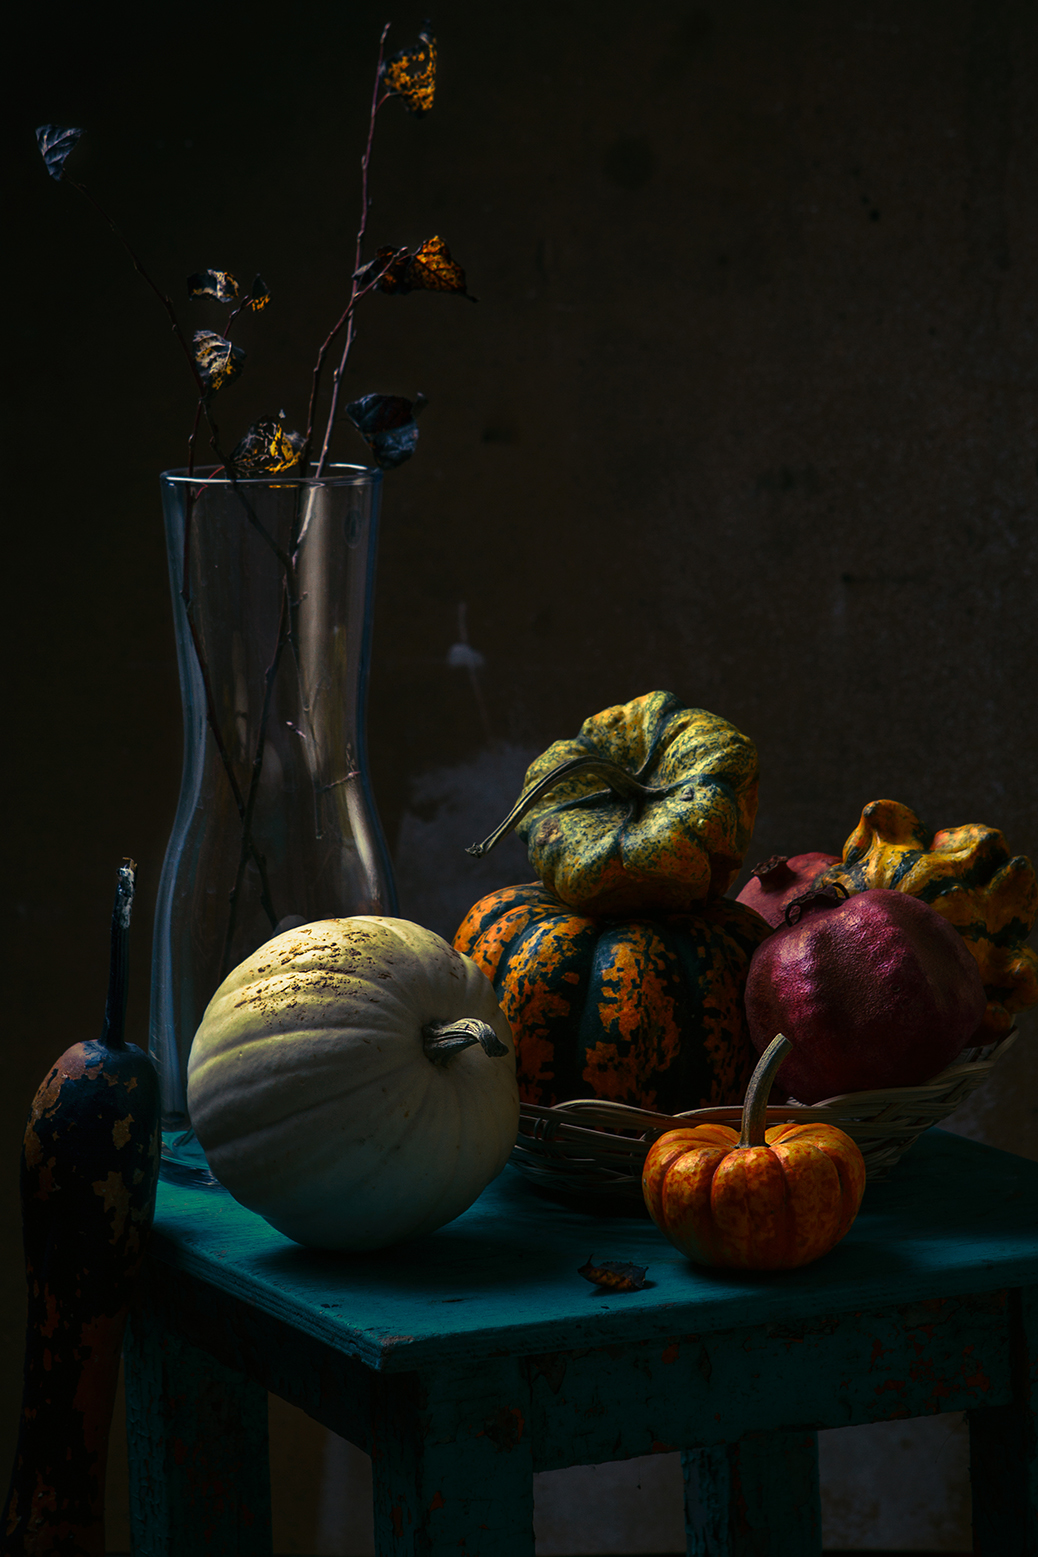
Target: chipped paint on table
(466,1360)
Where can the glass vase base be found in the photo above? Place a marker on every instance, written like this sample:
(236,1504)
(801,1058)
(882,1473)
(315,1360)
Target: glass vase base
(183,1161)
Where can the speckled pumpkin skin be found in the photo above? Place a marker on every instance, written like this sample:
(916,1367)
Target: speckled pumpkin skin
(674,852)
(967,875)
(771,1207)
(646,1011)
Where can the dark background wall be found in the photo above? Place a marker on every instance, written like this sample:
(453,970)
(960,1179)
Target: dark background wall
(746,410)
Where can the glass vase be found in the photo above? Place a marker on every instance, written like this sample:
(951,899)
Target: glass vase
(272,582)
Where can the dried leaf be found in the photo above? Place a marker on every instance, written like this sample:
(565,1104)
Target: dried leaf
(259,295)
(387,425)
(433,270)
(55,142)
(218,362)
(614,1275)
(218,284)
(412,74)
(390,266)
(429,269)
(267,449)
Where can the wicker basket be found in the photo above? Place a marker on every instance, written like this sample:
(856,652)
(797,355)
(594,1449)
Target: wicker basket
(594,1148)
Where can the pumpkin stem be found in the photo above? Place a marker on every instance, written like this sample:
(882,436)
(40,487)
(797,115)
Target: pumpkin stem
(755,1108)
(115,1005)
(443,1040)
(618,779)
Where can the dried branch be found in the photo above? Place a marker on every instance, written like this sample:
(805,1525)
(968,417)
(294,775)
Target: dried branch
(411,78)
(248,849)
(185,586)
(378,97)
(355,297)
(163,298)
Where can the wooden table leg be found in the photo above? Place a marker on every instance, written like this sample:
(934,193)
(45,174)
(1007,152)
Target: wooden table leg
(452,1466)
(1004,1447)
(754,1498)
(199,1467)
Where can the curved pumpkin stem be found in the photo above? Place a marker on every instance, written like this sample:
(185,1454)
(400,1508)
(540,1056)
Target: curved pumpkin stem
(618,779)
(112,1033)
(443,1040)
(755,1108)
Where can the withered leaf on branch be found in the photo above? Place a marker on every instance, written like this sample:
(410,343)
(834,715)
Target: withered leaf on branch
(55,142)
(429,269)
(218,362)
(388,265)
(411,74)
(267,449)
(259,295)
(218,284)
(433,270)
(615,1275)
(387,425)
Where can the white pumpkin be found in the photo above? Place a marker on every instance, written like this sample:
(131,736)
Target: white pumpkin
(353,1081)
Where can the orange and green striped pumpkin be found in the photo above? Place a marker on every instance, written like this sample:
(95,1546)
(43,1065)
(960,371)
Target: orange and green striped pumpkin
(642,1010)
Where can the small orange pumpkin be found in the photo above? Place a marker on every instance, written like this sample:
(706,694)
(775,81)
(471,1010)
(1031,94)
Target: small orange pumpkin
(761,1200)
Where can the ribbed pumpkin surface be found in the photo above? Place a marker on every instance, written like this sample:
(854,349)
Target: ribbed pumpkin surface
(313,1097)
(602,855)
(645,1011)
(771,1207)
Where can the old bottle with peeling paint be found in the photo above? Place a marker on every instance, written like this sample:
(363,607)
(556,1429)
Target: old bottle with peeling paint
(89,1170)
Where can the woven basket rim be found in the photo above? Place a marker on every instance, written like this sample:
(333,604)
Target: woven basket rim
(593,1146)
(846,1104)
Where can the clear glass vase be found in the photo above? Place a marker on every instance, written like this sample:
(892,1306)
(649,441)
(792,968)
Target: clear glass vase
(272,581)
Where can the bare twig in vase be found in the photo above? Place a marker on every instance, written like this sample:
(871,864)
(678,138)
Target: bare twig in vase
(308,495)
(204,392)
(385,422)
(163,297)
(344,318)
(378,97)
(248,849)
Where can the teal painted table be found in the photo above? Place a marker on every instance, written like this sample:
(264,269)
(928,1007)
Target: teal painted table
(467,1360)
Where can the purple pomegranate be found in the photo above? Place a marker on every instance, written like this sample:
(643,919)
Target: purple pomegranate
(777,881)
(877,990)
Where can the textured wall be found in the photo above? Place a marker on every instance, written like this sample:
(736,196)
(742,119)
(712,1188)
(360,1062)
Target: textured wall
(746,410)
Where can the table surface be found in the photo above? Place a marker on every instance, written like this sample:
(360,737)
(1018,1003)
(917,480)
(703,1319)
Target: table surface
(955,1217)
